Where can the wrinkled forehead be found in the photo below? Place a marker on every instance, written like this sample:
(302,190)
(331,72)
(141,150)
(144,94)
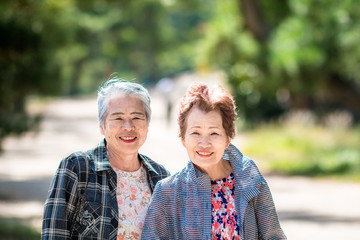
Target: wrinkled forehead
(198,117)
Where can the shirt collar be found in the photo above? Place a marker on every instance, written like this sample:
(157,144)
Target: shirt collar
(230,154)
(101,160)
(146,161)
(241,165)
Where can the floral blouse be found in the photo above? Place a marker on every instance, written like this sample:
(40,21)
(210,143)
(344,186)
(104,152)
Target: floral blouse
(133,196)
(224,217)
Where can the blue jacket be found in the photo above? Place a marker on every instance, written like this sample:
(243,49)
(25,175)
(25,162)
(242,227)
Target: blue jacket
(181,204)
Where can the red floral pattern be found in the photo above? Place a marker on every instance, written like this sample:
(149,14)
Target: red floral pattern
(133,196)
(224,217)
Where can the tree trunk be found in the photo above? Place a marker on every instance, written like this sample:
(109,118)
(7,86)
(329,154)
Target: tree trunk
(343,93)
(254,21)
(75,80)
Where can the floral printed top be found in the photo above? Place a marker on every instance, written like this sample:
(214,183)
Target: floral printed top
(133,196)
(224,217)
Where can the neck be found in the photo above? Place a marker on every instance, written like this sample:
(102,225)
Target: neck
(221,170)
(128,163)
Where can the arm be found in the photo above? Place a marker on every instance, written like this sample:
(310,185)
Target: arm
(156,221)
(60,203)
(267,218)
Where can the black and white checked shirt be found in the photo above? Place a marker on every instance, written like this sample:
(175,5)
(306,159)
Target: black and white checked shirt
(81,203)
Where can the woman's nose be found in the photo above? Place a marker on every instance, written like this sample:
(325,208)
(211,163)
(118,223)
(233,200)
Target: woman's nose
(204,141)
(128,125)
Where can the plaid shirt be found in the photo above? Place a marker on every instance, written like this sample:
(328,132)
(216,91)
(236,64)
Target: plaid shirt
(181,204)
(81,202)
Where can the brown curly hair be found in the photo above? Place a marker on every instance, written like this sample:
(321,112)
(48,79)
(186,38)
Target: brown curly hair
(208,99)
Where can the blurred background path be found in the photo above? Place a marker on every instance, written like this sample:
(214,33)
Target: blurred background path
(308,208)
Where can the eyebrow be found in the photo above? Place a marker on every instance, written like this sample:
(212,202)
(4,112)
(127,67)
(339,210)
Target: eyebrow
(209,127)
(133,113)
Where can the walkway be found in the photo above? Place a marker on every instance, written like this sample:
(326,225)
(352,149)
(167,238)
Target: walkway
(308,209)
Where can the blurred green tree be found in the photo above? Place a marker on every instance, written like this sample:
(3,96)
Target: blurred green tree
(278,55)
(143,40)
(25,50)
(69,47)
(287,54)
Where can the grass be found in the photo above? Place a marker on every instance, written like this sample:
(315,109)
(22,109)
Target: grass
(314,151)
(15,229)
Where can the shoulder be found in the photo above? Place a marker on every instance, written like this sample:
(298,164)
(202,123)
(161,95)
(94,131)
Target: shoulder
(75,158)
(157,167)
(176,181)
(244,166)
(240,161)
(251,171)
(167,189)
(248,164)
(75,164)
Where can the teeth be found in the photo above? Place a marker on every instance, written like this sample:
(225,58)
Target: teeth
(128,138)
(205,153)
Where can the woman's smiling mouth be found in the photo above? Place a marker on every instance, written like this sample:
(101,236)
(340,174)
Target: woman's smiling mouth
(128,139)
(204,153)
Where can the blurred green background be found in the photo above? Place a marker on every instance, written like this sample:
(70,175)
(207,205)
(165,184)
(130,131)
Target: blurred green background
(292,66)
(293,62)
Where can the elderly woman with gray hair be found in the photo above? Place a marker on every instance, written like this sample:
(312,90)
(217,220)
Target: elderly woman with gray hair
(104,193)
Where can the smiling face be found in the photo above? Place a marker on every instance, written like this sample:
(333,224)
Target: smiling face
(125,126)
(205,139)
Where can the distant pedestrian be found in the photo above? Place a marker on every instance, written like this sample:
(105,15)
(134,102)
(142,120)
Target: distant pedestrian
(165,87)
(104,193)
(220,194)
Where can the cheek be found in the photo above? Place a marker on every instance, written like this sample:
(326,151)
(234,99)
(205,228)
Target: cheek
(190,142)
(145,132)
(186,142)
(146,127)
(105,129)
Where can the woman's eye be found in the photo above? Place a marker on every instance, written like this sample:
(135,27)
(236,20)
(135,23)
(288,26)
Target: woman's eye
(194,133)
(214,134)
(138,118)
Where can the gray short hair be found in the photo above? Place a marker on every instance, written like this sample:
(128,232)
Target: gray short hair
(116,86)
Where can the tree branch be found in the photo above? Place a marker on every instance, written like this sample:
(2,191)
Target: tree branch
(254,21)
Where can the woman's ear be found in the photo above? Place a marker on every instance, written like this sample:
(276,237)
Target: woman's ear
(101,129)
(228,142)
(183,142)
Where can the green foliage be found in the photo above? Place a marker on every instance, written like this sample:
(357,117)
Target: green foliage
(290,54)
(145,40)
(24,65)
(305,150)
(12,229)
(277,55)
(70,47)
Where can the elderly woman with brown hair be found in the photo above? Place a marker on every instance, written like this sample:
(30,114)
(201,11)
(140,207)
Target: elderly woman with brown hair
(220,194)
